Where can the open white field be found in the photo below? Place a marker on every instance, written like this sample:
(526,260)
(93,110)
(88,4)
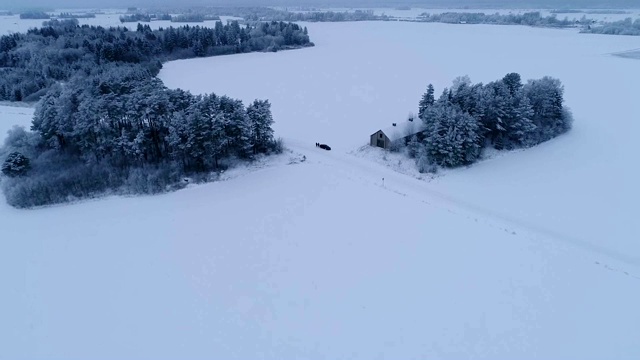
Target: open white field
(531,254)
(362,76)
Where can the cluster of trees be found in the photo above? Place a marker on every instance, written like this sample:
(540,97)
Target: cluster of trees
(188,18)
(254,14)
(123,131)
(137,18)
(529,18)
(622,27)
(35,15)
(30,63)
(601,12)
(66,15)
(191,17)
(194,18)
(504,114)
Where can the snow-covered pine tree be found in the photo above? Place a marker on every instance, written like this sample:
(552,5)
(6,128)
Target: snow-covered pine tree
(16,164)
(427,100)
(260,118)
(199,147)
(513,82)
(520,129)
(549,115)
(495,104)
(452,136)
(237,128)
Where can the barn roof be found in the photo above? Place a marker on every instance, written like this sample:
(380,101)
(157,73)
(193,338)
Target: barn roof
(403,129)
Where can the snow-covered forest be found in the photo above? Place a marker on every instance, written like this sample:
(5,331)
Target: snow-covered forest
(503,114)
(106,124)
(533,18)
(30,63)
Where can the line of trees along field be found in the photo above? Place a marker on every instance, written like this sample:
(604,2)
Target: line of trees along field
(106,124)
(627,26)
(533,18)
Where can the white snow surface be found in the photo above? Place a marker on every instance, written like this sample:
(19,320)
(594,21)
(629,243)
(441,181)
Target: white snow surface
(361,77)
(334,254)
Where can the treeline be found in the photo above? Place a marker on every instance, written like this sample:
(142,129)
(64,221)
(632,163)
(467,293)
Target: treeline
(598,12)
(529,18)
(35,15)
(66,15)
(622,27)
(137,18)
(194,18)
(257,13)
(31,63)
(123,132)
(188,18)
(314,16)
(145,17)
(503,114)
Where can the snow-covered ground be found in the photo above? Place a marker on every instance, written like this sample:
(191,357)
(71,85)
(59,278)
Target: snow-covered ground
(11,116)
(532,254)
(362,76)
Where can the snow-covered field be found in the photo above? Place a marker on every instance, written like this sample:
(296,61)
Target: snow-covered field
(532,254)
(362,76)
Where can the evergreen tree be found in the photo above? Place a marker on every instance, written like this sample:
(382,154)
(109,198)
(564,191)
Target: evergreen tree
(16,164)
(199,142)
(549,115)
(513,82)
(494,105)
(427,100)
(519,126)
(259,114)
(48,120)
(236,126)
(452,137)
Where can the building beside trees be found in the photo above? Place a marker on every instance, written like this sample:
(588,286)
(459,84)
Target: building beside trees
(467,118)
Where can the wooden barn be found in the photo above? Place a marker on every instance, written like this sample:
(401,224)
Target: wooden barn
(386,138)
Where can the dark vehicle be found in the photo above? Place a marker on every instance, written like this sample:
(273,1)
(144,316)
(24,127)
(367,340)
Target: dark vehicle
(325,146)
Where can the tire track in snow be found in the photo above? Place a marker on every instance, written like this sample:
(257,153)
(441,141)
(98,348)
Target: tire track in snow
(415,189)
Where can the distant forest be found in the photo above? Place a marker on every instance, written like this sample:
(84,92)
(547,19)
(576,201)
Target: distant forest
(268,14)
(529,19)
(106,124)
(312,14)
(30,63)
